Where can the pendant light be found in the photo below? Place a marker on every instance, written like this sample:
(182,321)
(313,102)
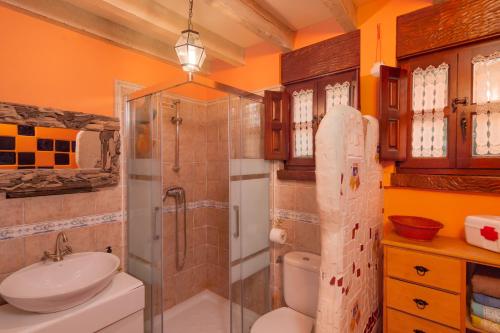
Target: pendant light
(189,48)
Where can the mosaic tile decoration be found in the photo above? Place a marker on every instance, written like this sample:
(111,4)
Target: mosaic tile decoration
(25,230)
(30,147)
(199,204)
(295,215)
(350,201)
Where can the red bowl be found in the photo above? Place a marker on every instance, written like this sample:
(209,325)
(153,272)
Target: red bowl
(415,227)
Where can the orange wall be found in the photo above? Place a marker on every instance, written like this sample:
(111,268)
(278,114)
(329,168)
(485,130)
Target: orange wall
(49,65)
(262,61)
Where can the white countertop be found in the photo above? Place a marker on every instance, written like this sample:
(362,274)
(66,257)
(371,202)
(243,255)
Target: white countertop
(122,297)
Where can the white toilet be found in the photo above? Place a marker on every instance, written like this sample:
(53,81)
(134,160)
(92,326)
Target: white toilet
(301,286)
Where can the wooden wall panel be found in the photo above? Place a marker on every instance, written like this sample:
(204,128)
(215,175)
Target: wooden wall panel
(326,57)
(448,24)
(460,183)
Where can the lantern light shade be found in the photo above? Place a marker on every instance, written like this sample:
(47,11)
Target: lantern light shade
(190,51)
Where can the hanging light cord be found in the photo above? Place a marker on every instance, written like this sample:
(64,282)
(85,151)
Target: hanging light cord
(190,24)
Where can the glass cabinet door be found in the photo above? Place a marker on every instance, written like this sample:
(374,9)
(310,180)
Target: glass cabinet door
(478,141)
(303,123)
(431,118)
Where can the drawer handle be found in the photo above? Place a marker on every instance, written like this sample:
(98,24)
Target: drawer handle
(418,331)
(421,270)
(421,304)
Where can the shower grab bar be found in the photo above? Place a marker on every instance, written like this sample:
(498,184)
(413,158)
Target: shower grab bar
(179,194)
(177,120)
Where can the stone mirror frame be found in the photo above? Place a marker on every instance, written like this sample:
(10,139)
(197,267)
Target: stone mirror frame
(36,182)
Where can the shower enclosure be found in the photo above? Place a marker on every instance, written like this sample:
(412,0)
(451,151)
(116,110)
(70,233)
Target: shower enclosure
(198,206)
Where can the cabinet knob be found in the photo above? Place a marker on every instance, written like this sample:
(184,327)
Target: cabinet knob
(420,303)
(421,270)
(418,331)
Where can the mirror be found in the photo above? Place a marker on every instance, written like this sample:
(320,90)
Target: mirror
(49,151)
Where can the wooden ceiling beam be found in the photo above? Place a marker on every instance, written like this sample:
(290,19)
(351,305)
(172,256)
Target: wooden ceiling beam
(80,20)
(153,19)
(258,20)
(344,12)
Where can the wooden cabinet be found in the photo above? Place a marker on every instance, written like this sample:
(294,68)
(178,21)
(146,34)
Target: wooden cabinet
(425,269)
(439,110)
(316,78)
(425,284)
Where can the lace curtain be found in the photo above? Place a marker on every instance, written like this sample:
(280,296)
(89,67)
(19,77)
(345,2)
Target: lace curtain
(430,97)
(486,93)
(302,103)
(338,94)
(253,136)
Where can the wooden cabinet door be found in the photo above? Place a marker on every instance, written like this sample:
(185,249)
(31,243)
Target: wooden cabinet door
(431,132)
(392,113)
(478,123)
(276,125)
(303,124)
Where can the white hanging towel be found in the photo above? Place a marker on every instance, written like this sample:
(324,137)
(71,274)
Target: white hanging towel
(350,200)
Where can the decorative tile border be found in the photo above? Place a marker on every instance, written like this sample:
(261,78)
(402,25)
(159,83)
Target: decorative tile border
(199,204)
(295,215)
(25,230)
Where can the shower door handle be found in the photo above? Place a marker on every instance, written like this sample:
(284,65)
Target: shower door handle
(156,230)
(236,232)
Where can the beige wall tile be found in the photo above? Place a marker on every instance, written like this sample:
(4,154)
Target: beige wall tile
(305,199)
(109,200)
(11,255)
(41,209)
(79,204)
(285,197)
(307,237)
(108,234)
(12,212)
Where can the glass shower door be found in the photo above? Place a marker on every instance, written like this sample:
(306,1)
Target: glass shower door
(144,202)
(249,204)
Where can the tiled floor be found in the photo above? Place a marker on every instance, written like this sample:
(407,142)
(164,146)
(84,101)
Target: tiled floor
(205,312)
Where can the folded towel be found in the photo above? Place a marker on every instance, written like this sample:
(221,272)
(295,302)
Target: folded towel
(486,280)
(486,300)
(485,312)
(484,324)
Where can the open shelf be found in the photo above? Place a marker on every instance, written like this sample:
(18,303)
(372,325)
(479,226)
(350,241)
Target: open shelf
(471,328)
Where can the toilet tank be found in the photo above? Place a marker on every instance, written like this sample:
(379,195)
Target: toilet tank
(301,281)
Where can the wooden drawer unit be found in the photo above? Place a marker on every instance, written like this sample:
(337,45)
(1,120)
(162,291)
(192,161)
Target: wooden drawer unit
(399,322)
(425,284)
(431,270)
(432,304)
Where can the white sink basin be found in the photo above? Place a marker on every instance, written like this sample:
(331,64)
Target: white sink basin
(54,286)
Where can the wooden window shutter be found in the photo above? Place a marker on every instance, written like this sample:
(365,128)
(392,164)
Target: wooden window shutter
(277,118)
(392,113)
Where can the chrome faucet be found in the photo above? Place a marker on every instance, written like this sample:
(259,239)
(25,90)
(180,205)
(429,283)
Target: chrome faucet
(61,250)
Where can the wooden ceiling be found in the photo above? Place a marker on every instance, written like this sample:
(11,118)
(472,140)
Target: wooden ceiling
(227,27)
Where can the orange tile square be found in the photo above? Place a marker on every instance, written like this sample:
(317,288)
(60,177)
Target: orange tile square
(72,161)
(44,158)
(56,133)
(8,130)
(25,143)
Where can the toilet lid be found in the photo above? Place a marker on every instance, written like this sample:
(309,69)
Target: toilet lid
(283,320)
